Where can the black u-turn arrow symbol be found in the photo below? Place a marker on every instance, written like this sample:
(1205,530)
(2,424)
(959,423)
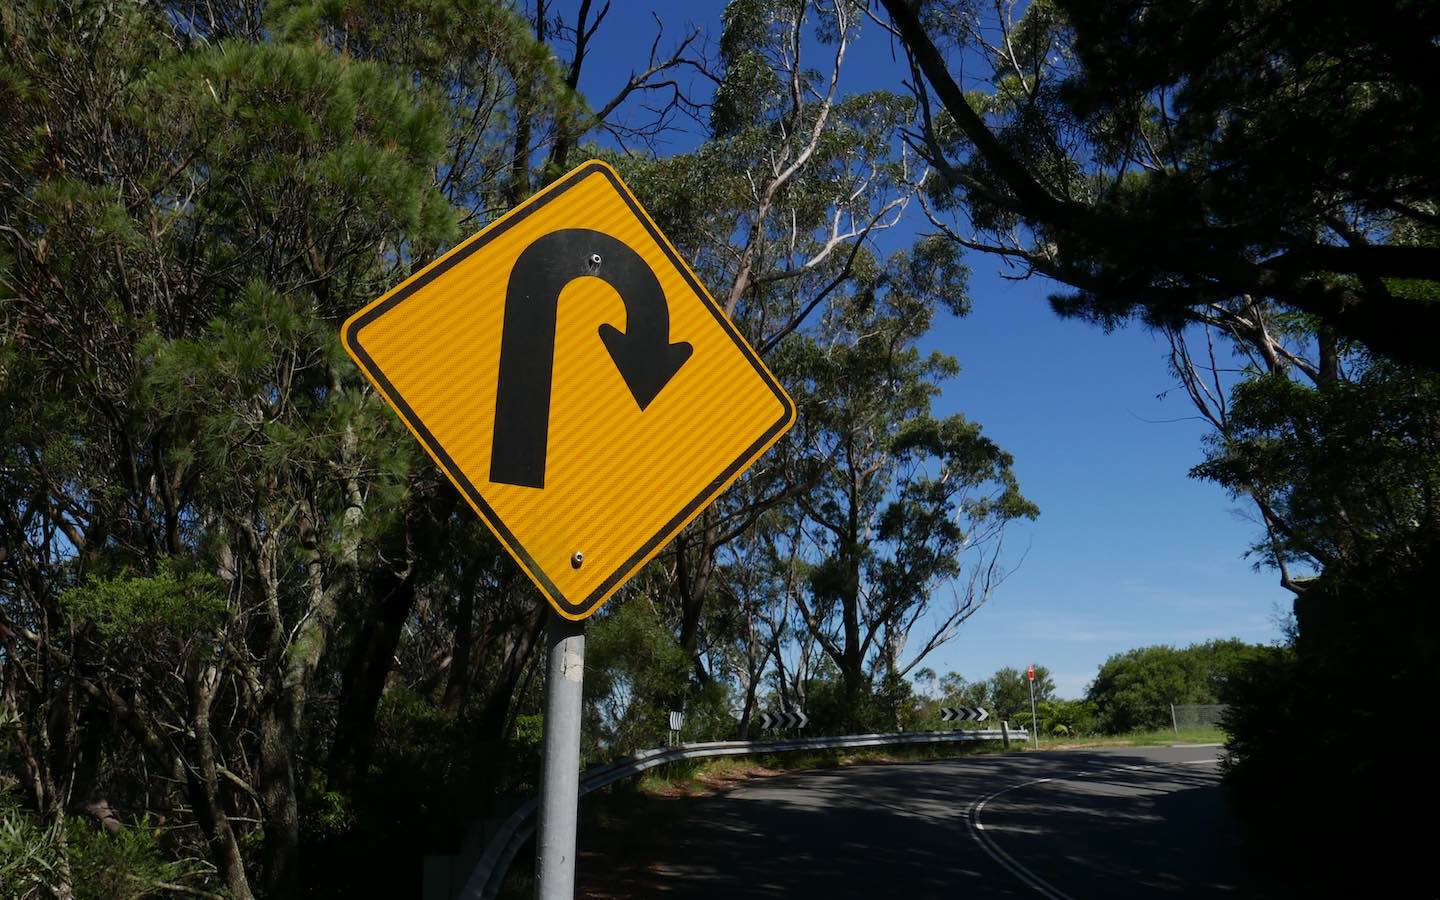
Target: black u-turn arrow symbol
(642,352)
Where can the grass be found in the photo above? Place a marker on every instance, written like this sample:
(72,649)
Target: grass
(704,776)
(698,777)
(1161,738)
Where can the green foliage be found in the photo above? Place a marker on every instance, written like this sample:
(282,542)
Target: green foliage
(895,703)
(887,704)
(1163,156)
(1352,467)
(30,853)
(707,713)
(326,812)
(126,610)
(1320,720)
(1066,718)
(634,672)
(413,734)
(1134,690)
(477,60)
(750,91)
(530,732)
(1008,693)
(127,865)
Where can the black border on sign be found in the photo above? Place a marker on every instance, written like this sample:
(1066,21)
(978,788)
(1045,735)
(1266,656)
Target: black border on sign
(591,602)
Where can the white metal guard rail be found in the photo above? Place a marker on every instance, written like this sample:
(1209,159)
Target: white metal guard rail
(485,879)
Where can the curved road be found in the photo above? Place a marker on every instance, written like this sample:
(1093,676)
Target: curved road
(1115,823)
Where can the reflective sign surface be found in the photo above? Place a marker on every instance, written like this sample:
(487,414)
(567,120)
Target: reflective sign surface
(575,381)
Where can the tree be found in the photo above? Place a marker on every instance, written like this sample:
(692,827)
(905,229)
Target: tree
(178,247)
(1158,158)
(956,691)
(895,498)
(1203,165)
(1009,692)
(774,211)
(201,200)
(1133,691)
(1337,450)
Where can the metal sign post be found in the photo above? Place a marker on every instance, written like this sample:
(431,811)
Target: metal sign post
(560,767)
(651,423)
(1034,722)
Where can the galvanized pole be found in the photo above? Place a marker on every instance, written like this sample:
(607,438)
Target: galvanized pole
(1034,722)
(560,770)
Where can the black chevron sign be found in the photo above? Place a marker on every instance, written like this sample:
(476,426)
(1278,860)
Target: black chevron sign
(963,714)
(790,719)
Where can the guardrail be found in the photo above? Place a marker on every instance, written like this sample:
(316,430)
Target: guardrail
(485,879)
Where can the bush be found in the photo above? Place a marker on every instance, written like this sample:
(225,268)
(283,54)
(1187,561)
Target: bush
(1133,690)
(30,854)
(126,865)
(1070,718)
(1313,731)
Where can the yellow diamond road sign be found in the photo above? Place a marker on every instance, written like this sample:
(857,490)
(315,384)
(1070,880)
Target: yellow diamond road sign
(574,380)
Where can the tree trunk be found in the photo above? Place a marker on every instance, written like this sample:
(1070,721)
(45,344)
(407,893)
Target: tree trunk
(502,697)
(457,686)
(279,744)
(693,581)
(205,790)
(852,655)
(363,683)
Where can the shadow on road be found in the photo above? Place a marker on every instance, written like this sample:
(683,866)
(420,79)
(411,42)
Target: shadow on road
(1114,831)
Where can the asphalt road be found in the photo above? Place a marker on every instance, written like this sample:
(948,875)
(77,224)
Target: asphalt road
(1121,823)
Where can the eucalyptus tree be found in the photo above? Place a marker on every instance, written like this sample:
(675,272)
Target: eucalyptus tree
(1160,157)
(1264,174)
(903,513)
(1218,177)
(186,220)
(774,208)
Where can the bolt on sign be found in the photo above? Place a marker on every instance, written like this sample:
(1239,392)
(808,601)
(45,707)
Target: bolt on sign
(574,380)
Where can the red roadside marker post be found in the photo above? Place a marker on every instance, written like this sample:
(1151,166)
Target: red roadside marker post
(1034,722)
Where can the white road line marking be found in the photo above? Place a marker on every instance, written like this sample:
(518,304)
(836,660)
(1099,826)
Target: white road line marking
(1008,862)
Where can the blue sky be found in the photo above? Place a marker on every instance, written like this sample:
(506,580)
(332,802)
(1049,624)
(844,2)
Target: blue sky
(1128,550)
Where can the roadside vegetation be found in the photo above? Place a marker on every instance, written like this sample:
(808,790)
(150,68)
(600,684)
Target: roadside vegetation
(251,639)
(692,777)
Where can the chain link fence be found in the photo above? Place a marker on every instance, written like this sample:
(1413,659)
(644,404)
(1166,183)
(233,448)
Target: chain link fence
(1196,715)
